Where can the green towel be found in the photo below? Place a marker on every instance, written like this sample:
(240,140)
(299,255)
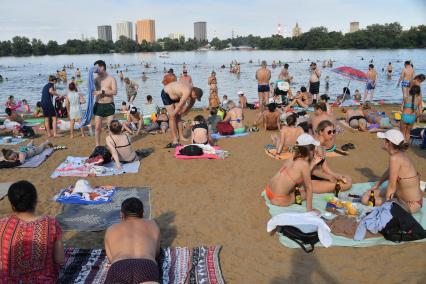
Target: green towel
(319,202)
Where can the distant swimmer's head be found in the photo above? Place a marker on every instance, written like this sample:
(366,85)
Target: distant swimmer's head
(264,64)
(132,207)
(286,66)
(101,66)
(115,127)
(197,93)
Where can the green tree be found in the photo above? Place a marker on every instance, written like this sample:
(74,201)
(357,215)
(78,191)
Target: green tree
(38,47)
(21,46)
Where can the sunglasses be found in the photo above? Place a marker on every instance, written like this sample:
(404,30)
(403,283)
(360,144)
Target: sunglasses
(331,131)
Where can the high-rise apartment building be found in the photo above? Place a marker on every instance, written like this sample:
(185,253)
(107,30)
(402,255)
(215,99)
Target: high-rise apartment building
(105,33)
(124,29)
(176,35)
(200,31)
(145,30)
(297,31)
(353,27)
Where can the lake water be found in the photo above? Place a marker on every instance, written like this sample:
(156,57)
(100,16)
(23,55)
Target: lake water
(27,75)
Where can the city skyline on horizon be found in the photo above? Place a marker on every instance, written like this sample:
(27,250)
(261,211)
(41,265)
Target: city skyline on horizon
(223,24)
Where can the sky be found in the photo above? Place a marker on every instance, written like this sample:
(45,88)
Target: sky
(61,20)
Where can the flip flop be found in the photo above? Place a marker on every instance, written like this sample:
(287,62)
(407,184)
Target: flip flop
(172,145)
(351,146)
(345,147)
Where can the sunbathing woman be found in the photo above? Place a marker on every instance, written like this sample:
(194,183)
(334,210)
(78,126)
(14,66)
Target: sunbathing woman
(200,131)
(235,116)
(288,134)
(294,173)
(378,118)
(120,146)
(404,180)
(356,119)
(25,152)
(411,108)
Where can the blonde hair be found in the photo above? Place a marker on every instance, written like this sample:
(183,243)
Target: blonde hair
(230,104)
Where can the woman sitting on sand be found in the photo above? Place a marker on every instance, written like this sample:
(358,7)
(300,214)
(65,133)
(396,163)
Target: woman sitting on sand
(200,131)
(25,152)
(119,145)
(411,109)
(326,134)
(404,180)
(288,134)
(294,173)
(31,245)
(235,116)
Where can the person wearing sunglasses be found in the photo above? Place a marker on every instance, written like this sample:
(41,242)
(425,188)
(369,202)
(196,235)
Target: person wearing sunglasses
(320,114)
(326,134)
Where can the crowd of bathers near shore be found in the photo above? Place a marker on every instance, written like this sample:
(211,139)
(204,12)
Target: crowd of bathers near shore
(307,124)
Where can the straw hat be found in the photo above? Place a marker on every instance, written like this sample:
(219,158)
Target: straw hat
(82,186)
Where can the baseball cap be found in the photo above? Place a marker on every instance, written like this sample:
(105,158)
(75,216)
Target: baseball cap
(306,139)
(393,135)
(240,92)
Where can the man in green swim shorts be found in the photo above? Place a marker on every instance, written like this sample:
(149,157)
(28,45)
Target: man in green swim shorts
(106,89)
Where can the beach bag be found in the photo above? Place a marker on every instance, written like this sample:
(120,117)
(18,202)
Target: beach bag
(103,152)
(191,150)
(224,128)
(306,241)
(402,227)
(27,132)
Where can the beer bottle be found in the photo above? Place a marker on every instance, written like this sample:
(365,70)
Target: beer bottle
(337,188)
(372,199)
(297,196)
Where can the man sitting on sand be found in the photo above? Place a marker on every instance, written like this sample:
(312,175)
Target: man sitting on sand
(134,122)
(271,117)
(178,99)
(320,114)
(132,246)
(302,99)
(356,119)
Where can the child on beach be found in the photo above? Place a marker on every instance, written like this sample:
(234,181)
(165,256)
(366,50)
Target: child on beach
(200,131)
(37,110)
(213,119)
(26,106)
(73,102)
(163,120)
(411,109)
(124,109)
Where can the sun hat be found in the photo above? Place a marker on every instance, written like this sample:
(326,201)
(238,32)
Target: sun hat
(82,186)
(393,135)
(240,92)
(306,139)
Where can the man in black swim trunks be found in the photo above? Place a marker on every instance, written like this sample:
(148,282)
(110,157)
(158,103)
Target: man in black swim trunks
(314,81)
(106,89)
(49,111)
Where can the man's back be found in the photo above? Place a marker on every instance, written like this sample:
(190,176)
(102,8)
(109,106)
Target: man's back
(263,75)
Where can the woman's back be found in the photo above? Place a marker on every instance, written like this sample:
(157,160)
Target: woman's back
(291,134)
(287,177)
(236,115)
(409,106)
(74,99)
(123,146)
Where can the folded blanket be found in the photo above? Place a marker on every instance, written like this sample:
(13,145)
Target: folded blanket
(319,202)
(37,160)
(204,156)
(75,166)
(99,195)
(218,136)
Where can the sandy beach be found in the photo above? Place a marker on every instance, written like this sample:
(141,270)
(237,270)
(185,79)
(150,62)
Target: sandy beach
(209,202)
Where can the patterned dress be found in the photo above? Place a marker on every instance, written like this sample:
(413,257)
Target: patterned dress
(26,250)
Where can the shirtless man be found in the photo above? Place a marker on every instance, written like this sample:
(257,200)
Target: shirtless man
(242,99)
(106,89)
(406,77)
(284,75)
(301,99)
(169,77)
(186,78)
(178,99)
(356,119)
(134,122)
(314,81)
(371,82)
(132,246)
(389,70)
(319,115)
(263,75)
(78,73)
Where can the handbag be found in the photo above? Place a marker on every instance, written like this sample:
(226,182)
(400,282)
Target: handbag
(306,241)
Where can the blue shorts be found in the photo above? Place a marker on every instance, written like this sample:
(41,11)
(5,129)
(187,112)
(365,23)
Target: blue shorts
(408,118)
(405,84)
(370,86)
(263,88)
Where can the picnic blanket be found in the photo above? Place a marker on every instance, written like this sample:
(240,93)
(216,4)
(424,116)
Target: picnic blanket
(90,218)
(319,202)
(4,188)
(204,156)
(218,136)
(37,160)
(15,141)
(271,151)
(99,195)
(177,265)
(75,167)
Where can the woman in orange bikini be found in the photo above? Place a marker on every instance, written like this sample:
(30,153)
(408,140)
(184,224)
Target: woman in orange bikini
(295,172)
(404,180)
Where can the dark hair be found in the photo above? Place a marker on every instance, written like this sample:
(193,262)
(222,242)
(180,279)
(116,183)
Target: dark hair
(390,63)
(22,196)
(371,65)
(115,127)
(52,77)
(24,101)
(11,97)
(286,66)
(100,63)
(303,89)
(123,103)
(213,111)
(272,107)
(324,97)
(72,86)
(321,106)
(414,91)
(38,104)
(420,77)
(301,152)
(7,153)
(132,207)
(133,110)
(291,119)
(198,93)
(200,119)
(323,125)
(149,98)
(8,111)
(407,62)
(403,146)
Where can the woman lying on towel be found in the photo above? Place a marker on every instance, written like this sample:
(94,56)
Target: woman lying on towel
(25,152)
(120,146)
(295,173)
(288,134)
(404,180)
(200,131)
(235,116)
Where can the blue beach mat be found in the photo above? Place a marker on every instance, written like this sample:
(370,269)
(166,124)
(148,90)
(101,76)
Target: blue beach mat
(218,136)
(319,202)
(15,141)
(105,194)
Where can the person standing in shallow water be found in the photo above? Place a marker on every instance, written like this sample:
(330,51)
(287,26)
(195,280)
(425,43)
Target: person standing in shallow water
(371,83)
(263,76)
(314,81)
(49,112)
(406,77)
(214,96)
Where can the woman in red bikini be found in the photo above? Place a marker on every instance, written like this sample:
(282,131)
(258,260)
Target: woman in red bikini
(404,180)
(295,173)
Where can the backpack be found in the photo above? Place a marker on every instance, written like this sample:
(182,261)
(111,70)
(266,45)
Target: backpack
(103,152)
(224,128)
(191,150)
(27,132)
(402,227)
(301,238)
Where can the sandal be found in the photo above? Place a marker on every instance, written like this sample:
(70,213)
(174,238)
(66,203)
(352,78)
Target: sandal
(172,145)
(351,146)
(345,147)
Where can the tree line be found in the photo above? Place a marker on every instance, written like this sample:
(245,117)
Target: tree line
(389,35)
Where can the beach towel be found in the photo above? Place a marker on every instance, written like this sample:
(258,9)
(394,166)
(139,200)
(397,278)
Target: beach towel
(271,151)
(99,195)
(75,167)
(319,202)
(37,160)
(204,156)
(34,120)
(298,108)
(90,218)
(218,136)
(4,188)
(89,98)
(177,265)
(15,141)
